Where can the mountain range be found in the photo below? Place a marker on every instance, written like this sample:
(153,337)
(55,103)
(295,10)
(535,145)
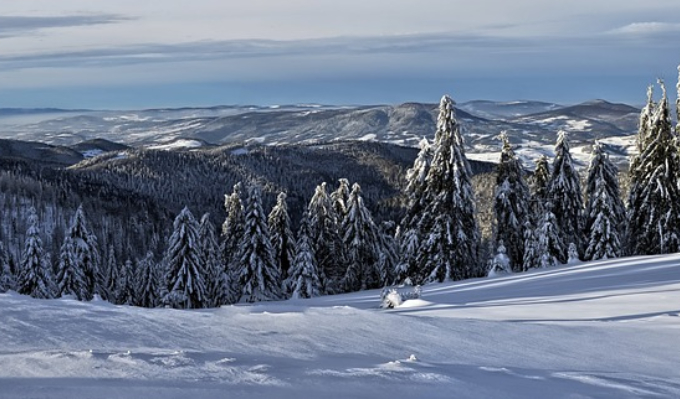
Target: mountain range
(532,126)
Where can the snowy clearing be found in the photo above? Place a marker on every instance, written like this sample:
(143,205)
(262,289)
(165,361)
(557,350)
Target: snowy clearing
(602,329)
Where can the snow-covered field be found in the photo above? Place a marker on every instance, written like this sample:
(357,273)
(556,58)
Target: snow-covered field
(604,329)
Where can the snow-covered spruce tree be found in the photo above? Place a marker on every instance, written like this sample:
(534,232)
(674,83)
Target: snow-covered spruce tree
(541,178)
(70,279)
(448,224)
(500,264)
(362,243)
(35,275)
(409,248)
(416,194)
(328,244)
(184,284)
(653,211)
(7,281)
(550,245)
(125,288)
(532,251)
(511,205)
(564,193)
(86,255)
(112,269)
(340,197)
(604,209)
(304,275)
(217,280)
(282,238)
(232,234)
(389,255)
(147,282)
(416,186)
(259,277)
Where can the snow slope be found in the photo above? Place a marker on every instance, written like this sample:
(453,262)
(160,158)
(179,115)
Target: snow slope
(603,329)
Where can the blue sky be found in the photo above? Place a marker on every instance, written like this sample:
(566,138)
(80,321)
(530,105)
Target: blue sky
(132,54)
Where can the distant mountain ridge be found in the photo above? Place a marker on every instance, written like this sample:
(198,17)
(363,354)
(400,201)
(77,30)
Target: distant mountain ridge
(531,125)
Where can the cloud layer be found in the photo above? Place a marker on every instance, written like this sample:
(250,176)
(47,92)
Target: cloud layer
(411,44)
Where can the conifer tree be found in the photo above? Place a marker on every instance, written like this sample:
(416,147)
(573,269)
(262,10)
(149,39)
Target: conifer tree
(232,235)
(407,268)
(282,238)
(304,275)
(259,277)
(564,192)
(147,282)
(70,279)
(362,241)
(184,284)
(217,280)
(539,189)
(126,285)
(112,269)
(328,244)
(654,210)
(449,214)
(7,281)
(511,205)
(340,197)
(416,199)
(85,255)
(532,251)
(35,276)
(604,209)
(550,246)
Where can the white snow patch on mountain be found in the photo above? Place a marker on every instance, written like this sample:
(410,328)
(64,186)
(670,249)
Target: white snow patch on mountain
(178,144)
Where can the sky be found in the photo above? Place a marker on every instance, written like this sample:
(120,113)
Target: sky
(172,53)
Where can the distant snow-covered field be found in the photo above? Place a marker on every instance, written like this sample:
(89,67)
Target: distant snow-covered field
(602,329)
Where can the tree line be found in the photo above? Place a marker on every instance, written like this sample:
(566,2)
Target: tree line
(539,221)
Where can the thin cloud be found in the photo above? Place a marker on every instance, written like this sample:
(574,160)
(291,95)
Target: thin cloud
(19,25)
(646,28)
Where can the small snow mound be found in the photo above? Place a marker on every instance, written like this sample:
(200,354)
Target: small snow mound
(415,303)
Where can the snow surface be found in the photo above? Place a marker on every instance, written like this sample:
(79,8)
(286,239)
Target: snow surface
(602,329)
(178,144)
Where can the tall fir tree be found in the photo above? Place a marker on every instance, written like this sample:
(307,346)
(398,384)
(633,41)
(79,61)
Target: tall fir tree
(217,280)
(85,255)
(450,250)
(511,205)
(35,275)
(147,282)
(282,238)
(653,209)
(532,251)
(7,280)
(550,243)
(604,208)
(232,235)
(304,274)
(125,288)
(362,241)
(259,277)
(416,199)
(564,193)
(112,272)
(70,278)
(184,284)
(328,244)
